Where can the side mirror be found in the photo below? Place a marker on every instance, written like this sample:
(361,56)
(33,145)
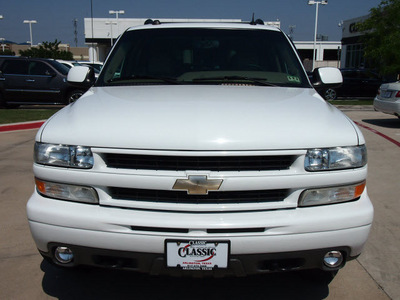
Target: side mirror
(81,76)
(327,77)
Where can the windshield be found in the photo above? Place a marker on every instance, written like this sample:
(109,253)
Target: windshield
(203,56)
(59,67)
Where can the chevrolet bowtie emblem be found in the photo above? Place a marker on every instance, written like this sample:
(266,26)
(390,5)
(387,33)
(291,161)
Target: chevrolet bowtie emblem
(197,185)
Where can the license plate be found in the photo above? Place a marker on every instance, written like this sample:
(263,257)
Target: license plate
(197,255)
(387,94)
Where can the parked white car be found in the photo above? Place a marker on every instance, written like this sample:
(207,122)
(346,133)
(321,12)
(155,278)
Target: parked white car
(201,148)
(388,99)
(69,63)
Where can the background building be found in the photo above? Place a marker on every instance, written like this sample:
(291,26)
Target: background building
(101,33)
(327,53)
(353,52)
(79,53)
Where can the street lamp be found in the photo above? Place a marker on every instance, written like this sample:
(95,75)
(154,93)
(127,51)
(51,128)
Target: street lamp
(111,23)
(116,13)
(30,28)
(2,44)
(312,2)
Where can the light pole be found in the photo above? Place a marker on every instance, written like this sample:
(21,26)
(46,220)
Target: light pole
(30,28)
(111,23)
(116,13)
(312,2)
(2,44)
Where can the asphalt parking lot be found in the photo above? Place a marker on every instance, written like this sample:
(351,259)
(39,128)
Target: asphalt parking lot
(374,275)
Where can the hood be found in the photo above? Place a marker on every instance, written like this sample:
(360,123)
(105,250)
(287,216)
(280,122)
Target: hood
(200,118)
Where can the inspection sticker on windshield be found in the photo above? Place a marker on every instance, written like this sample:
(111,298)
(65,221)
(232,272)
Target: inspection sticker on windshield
(197,255)
(293,79)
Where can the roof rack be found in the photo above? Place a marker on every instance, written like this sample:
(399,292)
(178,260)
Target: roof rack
(252,22)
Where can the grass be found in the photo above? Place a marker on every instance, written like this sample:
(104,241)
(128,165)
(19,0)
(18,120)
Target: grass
(24,115)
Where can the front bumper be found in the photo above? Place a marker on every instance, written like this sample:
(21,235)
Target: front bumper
(238,265)
(260,242)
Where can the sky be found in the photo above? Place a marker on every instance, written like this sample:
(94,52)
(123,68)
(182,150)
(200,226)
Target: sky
(55,17)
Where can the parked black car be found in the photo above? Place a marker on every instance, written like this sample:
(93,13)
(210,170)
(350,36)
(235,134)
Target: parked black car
(356,83)
(34,81)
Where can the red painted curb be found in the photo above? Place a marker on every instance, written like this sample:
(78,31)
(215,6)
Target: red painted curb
(21,126)
(379,133)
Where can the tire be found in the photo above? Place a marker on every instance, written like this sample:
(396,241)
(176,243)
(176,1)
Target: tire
(74,95)
(330,94)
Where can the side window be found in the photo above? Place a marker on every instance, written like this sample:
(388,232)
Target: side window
(39,68)
(15,67)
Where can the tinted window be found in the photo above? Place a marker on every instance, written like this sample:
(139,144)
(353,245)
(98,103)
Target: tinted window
(15,66)
(196,56)
(39,68)
(59,67)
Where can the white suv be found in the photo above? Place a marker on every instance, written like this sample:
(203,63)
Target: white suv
(201,148)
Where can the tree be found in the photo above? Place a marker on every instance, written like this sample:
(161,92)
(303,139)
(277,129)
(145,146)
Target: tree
(382,39)
(7,52)
(48,50)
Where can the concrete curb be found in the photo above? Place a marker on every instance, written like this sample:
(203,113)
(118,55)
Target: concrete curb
(355,107)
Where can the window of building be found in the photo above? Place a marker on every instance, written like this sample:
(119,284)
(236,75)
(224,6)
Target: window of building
(355,56)
(332,54)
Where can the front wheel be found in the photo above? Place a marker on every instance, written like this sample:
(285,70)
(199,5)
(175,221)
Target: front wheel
(74,95)
(330,94)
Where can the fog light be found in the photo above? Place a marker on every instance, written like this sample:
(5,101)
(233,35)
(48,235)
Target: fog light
(64,255)
(333,259)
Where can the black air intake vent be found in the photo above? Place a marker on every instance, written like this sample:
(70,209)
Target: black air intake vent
(182,197)
(199,163)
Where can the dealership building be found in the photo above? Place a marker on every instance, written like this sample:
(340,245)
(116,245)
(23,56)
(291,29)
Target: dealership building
(352,46)
(101,33)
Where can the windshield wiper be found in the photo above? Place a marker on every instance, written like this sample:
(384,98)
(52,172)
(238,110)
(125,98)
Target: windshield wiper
(258,81)
(144,77)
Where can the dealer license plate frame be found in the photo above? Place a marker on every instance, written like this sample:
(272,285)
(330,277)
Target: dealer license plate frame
(219,259)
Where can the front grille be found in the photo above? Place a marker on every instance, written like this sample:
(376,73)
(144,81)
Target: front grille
(182,197)
(209,163)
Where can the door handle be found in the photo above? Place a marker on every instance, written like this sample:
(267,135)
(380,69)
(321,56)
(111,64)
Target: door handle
(30,80)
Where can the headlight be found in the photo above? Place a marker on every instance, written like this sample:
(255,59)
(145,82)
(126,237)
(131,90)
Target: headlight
(331,195)
(338,158)
(68,192)
(63,156)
